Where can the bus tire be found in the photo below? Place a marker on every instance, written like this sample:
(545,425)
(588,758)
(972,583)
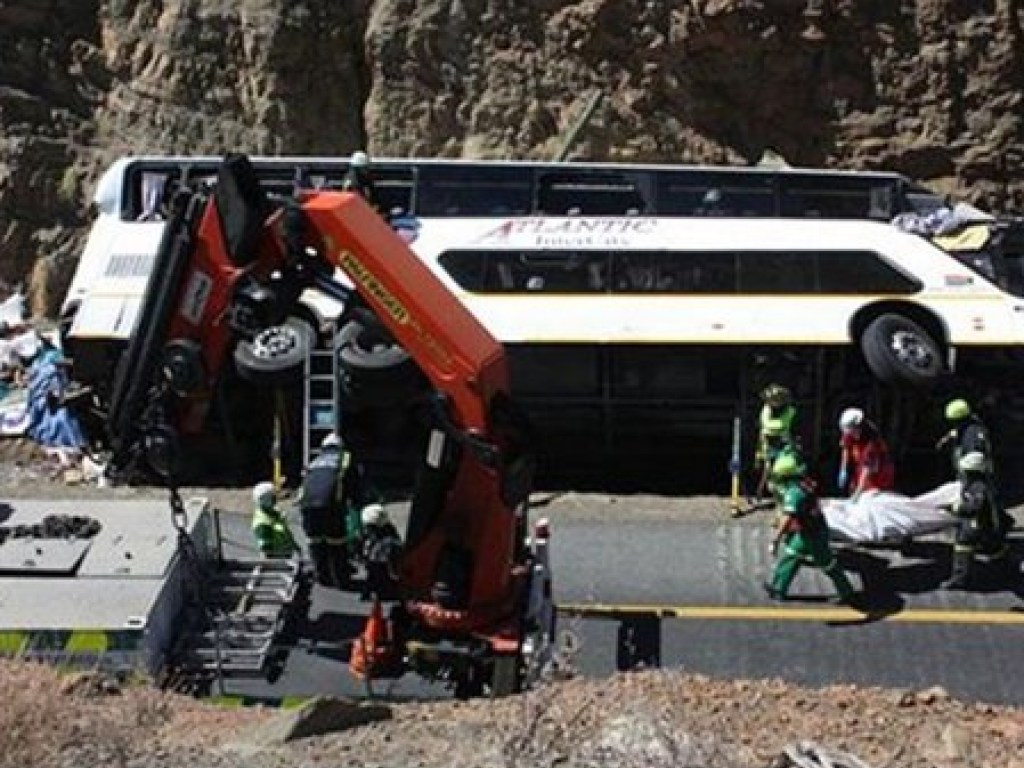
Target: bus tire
(899,351)
(276,355)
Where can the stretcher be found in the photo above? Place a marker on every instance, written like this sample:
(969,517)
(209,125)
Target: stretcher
(884,517)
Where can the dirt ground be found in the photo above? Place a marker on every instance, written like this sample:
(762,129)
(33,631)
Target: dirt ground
(639,719)
(653,718)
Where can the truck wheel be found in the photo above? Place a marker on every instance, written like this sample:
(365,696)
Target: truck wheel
(365,346)
(374,371)
(276,355)
(899,351)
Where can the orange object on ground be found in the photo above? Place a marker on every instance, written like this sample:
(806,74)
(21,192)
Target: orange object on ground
(373,650)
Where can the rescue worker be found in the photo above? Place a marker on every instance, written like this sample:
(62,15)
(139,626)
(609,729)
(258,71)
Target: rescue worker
(359,178)
(866,464)
(777,442)
(967,434)
(269,524)
(776,432)
(326,514)
(382,546)
(802,533)
(982,524)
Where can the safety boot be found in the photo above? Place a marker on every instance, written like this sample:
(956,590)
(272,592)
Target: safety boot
(772,592)
(961,575)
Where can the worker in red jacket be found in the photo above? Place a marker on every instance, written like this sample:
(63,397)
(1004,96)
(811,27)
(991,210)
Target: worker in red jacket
(866,464)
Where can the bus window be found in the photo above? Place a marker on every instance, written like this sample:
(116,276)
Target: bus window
(777,272)
(394,188)
(673,272)
(468,269)
(597,193)
(862,272)
(150,193)
(698,193)
(554,272)
(528,271)
(471,190)
(831,197)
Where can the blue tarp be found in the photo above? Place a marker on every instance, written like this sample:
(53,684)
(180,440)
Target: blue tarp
(53,427)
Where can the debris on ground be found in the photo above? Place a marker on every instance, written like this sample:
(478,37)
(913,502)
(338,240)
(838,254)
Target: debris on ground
(34,383)
(644,719)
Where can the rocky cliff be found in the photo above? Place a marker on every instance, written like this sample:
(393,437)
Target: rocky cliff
(932,88)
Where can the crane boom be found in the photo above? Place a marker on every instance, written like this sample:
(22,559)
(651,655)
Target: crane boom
(234,264)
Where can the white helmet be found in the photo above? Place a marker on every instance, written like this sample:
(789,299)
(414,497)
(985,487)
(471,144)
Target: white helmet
(331,441)
(374,514)
(264,492)
(359,159)
(851,419)
(974,461)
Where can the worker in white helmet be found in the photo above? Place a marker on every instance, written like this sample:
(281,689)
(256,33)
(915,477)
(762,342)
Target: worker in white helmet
(269,524)
(321,501)
(382,547)
(333,492)
(865,465)
(359,177)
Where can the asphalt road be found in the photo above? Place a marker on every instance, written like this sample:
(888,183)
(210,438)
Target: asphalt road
(669,583)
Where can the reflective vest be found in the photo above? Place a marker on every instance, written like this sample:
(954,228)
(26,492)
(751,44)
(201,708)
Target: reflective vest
(273,536)
(972,436)
(777,430)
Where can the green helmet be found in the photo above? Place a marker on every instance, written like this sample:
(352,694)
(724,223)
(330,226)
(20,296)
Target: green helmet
(957,410)
(787,466)
(776,395)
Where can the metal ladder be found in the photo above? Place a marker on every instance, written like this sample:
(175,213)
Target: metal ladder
(319,399)
(249,602)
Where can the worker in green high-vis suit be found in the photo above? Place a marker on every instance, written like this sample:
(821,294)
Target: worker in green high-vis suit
(776,435)
(802,533)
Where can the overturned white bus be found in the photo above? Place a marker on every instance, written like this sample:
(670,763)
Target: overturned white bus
(643,307)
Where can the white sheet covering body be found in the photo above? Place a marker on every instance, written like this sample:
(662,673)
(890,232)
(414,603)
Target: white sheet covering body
(883,516)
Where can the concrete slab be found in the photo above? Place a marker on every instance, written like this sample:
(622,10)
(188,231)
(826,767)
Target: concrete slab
(33,557)
(33,604)
(128,581)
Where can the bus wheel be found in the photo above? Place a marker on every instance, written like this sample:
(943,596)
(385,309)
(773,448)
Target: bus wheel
(276,355)
(899,351)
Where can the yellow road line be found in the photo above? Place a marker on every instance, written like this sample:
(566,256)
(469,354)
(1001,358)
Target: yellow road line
(754,613)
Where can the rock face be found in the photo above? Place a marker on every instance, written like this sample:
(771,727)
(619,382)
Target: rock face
(932,88)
